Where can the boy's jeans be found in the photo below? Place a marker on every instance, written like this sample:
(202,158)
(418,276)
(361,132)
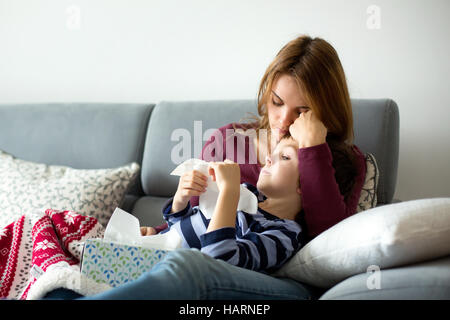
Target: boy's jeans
(189,274)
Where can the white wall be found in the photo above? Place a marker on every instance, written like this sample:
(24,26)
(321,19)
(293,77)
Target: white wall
(147,51)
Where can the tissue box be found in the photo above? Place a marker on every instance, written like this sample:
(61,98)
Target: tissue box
(114,263)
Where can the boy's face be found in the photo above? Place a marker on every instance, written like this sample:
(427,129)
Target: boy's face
(280,175)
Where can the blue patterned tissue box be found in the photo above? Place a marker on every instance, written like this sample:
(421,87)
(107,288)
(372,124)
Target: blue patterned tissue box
(115,264)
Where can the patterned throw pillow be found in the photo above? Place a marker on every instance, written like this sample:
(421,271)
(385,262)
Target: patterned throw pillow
(368,197)
(26,186)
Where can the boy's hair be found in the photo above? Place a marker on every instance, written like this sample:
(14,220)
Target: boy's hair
(287,135)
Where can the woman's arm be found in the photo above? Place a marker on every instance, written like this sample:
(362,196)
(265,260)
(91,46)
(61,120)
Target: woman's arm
(323,204)
(322,201)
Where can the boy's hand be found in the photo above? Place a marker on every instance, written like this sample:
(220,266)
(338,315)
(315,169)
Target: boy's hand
(148,231)
(227,174)
(192,183)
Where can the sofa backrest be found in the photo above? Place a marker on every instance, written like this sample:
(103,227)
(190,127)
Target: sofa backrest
(376,126)
(79,135)
(106,135)
(169,116)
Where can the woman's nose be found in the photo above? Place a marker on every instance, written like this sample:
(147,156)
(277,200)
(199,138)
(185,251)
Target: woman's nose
(286,118)
(268,161)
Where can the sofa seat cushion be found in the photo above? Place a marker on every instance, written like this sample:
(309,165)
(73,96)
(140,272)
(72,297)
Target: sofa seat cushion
(148,210)
(387,236)
(426,280)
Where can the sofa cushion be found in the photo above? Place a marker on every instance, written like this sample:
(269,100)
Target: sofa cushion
(428,280)
(148,210)
(376,125)
(78,135)
(387,236)
(368,197)
(26,185)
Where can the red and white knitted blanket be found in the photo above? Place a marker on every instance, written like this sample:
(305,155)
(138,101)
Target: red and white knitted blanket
(41,251)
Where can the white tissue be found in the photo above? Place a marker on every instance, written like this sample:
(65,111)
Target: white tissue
(207,200)
(123,228)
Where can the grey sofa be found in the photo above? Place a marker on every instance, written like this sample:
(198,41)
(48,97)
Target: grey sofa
(105,135)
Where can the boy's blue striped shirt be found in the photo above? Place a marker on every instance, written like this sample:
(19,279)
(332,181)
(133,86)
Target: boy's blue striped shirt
(260,242)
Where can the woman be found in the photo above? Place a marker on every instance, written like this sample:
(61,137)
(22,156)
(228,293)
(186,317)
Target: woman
(302,93)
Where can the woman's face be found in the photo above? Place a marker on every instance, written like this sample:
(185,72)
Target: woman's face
(285,105)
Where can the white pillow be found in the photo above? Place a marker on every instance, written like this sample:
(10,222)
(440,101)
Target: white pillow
(25,186)
(387,236)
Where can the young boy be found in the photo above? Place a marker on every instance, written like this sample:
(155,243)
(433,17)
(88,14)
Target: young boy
(263,241)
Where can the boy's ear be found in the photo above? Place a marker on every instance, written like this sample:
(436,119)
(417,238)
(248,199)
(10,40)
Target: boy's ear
(299,191)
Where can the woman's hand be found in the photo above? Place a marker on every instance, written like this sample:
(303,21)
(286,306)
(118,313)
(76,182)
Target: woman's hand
(192,183)
(308,130)
(227,174)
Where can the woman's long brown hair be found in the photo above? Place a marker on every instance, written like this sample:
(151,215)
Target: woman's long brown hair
(316,67)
